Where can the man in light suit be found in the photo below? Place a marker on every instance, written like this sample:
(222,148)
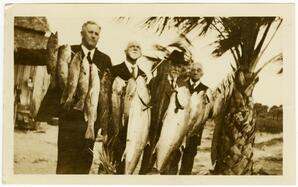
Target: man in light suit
(74,151)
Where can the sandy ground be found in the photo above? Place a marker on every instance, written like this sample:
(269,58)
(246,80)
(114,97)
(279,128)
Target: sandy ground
(36,152)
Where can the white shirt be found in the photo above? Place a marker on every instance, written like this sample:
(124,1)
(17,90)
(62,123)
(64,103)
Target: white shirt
(86,51)
(129,67)
(170,80)
(196,83)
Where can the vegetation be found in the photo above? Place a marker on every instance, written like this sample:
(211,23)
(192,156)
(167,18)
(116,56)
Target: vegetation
(244,38)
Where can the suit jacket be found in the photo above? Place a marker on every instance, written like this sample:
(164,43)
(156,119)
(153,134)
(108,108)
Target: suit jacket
(101,60)
(198,88)
(122,71)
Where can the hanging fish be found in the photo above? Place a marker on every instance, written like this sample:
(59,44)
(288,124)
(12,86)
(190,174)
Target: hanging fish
(175,127)
(83,84)
(73,79)
(104,100)
(64,58)
(197,111)
(138,126)
(52,56)
(117,100)
(90,109)
(129,93)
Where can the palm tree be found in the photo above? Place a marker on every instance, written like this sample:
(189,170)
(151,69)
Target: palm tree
(244,38)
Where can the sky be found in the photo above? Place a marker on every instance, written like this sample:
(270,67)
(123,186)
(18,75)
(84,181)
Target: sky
(115,35)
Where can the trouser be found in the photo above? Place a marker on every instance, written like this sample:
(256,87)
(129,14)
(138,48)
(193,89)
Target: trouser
(75,153)
(119,148)
(189,154)
(148,160)
(173,165)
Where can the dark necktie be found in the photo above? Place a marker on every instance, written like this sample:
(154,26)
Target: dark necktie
(172,83)
(133,73)
(192,87)
(89,58)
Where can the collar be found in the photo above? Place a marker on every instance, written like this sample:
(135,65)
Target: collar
(85,51)
(196,83)
(129,65)
(171,78)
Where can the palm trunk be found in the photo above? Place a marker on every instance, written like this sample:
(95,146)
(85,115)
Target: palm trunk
(236,129)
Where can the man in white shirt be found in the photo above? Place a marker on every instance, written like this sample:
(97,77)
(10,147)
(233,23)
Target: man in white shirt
(190,151)
(74,151)
(126,70)
(129,67)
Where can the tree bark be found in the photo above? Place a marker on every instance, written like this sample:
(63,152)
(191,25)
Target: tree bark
(236,130)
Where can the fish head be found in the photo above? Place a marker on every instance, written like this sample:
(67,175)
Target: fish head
(183,95)
(118,85)
(52,43)
(142,90)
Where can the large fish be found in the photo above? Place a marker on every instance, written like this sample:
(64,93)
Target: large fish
(83,84)
(138,126)
(204,109)
(52,55)
(90,109)
(64,58)
(197,108)
(129,93)
(73,79)
(117,104)
(218,101)
(104,101)
(174,128)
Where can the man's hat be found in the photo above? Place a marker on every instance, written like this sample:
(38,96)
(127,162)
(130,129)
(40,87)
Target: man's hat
(177,58)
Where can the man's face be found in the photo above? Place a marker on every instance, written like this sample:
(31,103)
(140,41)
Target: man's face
(174,70)
(90,36)
(133,51)
(196,72)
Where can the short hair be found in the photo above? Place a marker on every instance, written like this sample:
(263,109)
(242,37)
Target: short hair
(133,43)
(197,65)
(90,23)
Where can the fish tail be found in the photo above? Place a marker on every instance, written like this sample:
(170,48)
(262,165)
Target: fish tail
(89,134)
(123,155)
(79,105)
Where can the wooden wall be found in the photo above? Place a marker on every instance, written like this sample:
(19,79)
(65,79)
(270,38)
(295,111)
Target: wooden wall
(30,99)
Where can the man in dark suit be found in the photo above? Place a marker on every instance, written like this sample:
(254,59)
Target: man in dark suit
(190,151)
(129,67)
(75,153)
(126,70)
(161,88)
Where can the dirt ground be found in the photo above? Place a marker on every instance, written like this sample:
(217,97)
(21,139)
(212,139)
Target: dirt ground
(36,152)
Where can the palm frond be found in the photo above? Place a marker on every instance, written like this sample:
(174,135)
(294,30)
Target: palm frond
(106,162)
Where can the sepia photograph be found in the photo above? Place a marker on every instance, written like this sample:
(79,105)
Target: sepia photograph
(103,90)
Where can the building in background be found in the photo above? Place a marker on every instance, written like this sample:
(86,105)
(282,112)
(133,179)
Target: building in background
(31,79)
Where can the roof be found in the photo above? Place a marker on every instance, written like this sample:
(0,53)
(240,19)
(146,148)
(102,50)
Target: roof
(29,32)
(33,23)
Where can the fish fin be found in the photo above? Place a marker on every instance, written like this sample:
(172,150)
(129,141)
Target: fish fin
(85,116)
(183,145)
(148,143)
(123,120)
(123,156)
(178,105)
